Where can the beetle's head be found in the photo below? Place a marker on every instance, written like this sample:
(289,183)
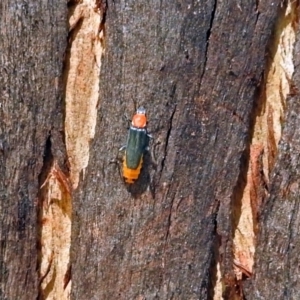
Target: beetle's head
(139,120)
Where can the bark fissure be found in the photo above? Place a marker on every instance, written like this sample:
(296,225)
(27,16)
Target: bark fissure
(47,164)
(268,116)
(54,227)
(208,34)
(170,127)
(169,222)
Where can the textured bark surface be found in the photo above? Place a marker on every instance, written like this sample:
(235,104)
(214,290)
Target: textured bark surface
(196,68)
(277,258)
(33,41)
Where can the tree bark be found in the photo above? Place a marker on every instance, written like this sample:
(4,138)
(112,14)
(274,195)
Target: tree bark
(199,69)
(196,68)
(33,42)
(277,262)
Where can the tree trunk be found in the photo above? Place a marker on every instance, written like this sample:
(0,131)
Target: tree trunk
(185,63)
(33,42)
(188,227)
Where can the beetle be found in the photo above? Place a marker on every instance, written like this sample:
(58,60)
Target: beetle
(137,144)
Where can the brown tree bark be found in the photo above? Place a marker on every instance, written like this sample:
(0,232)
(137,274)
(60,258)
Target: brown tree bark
(33,42)
(196,68)
(199,68)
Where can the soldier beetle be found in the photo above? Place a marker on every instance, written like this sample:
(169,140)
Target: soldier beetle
(137,144)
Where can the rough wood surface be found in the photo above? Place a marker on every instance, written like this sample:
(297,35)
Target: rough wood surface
(33,41)
(277,258)
(196,68)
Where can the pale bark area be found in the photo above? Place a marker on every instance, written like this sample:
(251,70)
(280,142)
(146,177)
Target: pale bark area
(82,75)
(268,121)
(277,257)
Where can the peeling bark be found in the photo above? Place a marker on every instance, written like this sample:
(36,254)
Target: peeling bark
(82,71)
(268,118)
(277,263)
(162,237)
(33,42)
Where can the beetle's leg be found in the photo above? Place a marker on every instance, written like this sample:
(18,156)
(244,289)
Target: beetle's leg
(153,159)
(151,151)
(117,161)
(127,120)
(122,148)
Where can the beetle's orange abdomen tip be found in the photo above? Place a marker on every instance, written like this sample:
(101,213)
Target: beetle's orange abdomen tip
(131,175)
(129,181)
(139,120)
